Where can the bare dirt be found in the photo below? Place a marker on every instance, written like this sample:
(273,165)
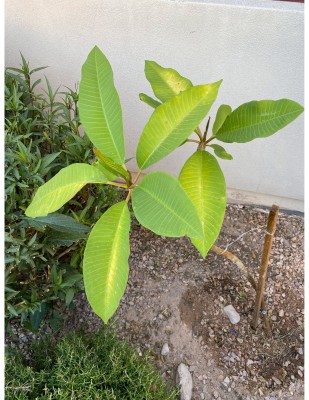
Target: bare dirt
(175,297)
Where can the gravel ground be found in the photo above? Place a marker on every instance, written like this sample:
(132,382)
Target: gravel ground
(175,297)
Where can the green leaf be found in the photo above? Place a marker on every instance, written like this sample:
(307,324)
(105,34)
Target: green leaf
(172,123)
(105,266)
(149,100)
(165,82)
(161,205)
(11,309)
(113,167)
(69,296)
(203,181)
(99,164)
(220,152)
(64,238)
(37,69)
(72,279)
(60,223)
(99,106)
(258,119)
(62,187)
(32,240)
(37,316)
(47,160)
(223,111)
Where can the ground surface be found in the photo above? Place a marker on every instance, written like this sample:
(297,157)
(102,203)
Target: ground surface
(175,297)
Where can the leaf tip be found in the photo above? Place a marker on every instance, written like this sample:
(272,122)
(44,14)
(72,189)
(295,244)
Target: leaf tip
(29,212)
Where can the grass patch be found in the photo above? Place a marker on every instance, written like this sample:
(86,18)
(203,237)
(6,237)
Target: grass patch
(98,366)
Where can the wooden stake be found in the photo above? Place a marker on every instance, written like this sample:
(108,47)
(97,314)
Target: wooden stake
(269,236)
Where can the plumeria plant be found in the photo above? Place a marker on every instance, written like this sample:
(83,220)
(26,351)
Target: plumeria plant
(192,205)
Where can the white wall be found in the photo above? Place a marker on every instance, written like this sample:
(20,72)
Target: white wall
(255,46)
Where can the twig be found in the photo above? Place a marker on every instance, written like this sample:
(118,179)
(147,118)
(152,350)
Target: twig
(237,262)
(66,251)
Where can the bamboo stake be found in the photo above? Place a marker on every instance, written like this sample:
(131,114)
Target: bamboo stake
(269,236)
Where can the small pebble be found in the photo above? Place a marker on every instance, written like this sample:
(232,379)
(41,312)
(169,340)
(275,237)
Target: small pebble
(232,314)
(226,381)
(276,380)
(165,350)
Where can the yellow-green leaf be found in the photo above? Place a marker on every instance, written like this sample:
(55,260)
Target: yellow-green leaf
(99,106)
(149,100)
(161,205)
(62,187)
(165,82)
(223,111)
(105,266)
(172,122)
(258,119)
(221,152)
(202,179)
(112,167)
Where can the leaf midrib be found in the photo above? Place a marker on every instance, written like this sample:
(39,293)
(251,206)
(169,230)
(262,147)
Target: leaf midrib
(172,132)
(64,187)
(168,208)
(113,259)
(102,103)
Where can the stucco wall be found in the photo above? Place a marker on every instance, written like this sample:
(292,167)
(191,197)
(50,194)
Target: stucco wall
(255,46)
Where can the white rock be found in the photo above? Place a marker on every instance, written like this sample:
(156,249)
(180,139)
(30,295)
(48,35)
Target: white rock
(184,380)
(165,350)
(232,314)
(276,380)
(226,381)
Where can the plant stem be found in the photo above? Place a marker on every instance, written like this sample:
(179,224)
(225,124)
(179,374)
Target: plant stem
(206,130)
(269,236)
(128,196)
(117,184)
(237,261)
(68,250)
(210,139)
(199,133)
(137,177)
(192,140)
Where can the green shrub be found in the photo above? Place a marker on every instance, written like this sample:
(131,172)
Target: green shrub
(43,256)
(84,367)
